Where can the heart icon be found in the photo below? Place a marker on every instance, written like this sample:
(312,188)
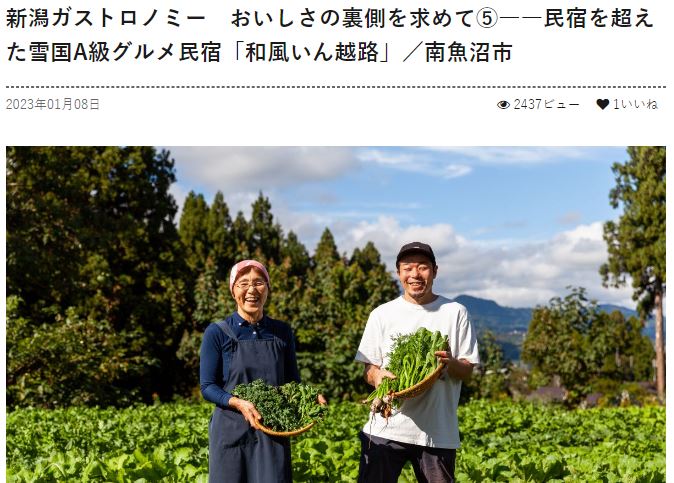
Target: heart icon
(602,103)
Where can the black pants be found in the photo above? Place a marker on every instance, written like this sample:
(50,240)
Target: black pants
(382,461)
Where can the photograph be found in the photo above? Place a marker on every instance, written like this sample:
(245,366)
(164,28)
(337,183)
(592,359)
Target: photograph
(370,314)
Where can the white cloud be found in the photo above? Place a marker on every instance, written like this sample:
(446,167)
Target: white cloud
(454,162)
(454,170)
(254,168)
(515,275)
(416,162)
(387,158)
(515,155)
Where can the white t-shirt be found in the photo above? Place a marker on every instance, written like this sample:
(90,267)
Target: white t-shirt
(429,419)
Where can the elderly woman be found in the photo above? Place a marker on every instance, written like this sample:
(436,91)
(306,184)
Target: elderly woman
(247,345)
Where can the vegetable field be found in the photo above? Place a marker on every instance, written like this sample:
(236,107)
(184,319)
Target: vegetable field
(501,442)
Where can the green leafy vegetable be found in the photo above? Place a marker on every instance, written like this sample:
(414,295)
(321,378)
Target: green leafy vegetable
(283,408)
(412,359)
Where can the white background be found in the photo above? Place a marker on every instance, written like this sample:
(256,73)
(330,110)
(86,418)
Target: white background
(348,116)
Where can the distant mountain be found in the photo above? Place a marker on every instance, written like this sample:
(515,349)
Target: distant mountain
(626,312)
(510,325)
(487,314)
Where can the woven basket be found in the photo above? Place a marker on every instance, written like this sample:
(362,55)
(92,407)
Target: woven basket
(271,432)
(421,386)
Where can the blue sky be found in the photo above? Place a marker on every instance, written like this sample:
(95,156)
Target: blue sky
(516,225)
(487,199)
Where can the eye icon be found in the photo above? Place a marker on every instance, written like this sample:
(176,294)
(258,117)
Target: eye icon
(503,104)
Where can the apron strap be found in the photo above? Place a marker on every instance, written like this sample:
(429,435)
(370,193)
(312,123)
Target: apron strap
(224,326)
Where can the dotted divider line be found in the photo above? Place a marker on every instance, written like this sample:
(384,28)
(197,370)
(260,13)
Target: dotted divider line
(344,86)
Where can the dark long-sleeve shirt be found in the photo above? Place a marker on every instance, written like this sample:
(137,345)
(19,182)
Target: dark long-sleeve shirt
(216,353)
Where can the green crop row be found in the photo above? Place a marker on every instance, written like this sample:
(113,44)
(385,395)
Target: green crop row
(501,442)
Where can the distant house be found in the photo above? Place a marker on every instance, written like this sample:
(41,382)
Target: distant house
(548,394)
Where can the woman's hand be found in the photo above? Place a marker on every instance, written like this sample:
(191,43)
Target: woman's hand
(321,400)
(247,409)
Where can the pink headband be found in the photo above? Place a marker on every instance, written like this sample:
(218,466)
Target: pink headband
(245,264)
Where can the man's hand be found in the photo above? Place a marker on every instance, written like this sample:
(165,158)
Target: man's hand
(248,410)
(445,356)
(456,368)
(374,375)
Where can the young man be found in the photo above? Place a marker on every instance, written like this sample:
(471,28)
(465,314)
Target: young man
(425,428)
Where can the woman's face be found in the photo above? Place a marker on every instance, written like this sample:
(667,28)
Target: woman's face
(250,292)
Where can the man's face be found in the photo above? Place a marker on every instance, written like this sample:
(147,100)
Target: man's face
(416,273)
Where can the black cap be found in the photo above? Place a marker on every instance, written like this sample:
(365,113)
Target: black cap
(415,247)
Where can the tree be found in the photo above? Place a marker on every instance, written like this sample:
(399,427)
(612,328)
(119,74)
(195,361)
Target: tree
(79,361)
(575,341)
(264,235)
(294,251)
(489,380)
(326,251)
(220,237)
(619,350)
(285,297)
(636,243)
(213,302)
(241,237)
(207,236)
(91,239)
(367,258)
(192,229)
(335,305)
(554,344)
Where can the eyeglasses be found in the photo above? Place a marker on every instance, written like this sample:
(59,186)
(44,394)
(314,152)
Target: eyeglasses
(246,285)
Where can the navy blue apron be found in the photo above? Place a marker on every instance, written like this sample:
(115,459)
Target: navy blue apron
(238,453)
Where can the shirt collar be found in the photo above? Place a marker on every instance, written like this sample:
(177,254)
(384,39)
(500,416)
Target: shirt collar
(241,322)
